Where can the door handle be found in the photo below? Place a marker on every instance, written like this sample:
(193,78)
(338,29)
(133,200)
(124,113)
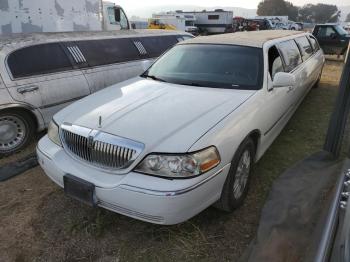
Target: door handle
(27,89)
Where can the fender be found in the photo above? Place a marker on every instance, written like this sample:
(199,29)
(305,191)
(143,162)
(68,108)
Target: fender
(39,118)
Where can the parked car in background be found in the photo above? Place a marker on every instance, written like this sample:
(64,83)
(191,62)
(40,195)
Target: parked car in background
(333,38)
(42,73)
(163,146)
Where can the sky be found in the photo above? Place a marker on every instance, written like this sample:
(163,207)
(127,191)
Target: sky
(136,4)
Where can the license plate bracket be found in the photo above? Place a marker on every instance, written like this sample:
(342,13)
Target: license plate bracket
(79,189)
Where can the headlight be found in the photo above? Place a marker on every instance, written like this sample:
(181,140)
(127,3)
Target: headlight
(180,165)
(52,133)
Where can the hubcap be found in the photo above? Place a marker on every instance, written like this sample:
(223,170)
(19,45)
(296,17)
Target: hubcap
(12,132)
(242,174)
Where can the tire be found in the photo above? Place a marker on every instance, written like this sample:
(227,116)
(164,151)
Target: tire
(232,198)
(16,131)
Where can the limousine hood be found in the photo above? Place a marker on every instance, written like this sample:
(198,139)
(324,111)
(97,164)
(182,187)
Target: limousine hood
(165,117)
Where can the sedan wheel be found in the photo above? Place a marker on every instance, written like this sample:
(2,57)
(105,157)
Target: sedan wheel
(15,132)
(236,185)
(242,174)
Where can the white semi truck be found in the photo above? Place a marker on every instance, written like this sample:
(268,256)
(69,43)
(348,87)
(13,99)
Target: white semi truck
(28,16)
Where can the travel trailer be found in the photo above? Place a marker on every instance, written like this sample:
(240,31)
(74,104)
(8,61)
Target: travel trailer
(212,22)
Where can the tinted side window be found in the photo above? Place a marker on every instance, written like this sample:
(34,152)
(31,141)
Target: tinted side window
(108,51)
(156,45)
(290,53)
(314,44)
(304,46)
(213,17)
(38,59)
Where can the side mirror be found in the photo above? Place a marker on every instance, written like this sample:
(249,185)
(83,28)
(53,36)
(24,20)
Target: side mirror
(117,14)
(282,79)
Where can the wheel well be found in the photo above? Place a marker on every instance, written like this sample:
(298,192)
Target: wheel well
(255,136)
(25,111)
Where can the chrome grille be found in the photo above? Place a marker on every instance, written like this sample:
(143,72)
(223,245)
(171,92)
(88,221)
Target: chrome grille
(100,149)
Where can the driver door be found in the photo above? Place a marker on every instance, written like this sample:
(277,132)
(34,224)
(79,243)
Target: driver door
(329,39)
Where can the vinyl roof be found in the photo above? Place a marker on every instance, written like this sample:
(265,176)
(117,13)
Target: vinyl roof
(252,38)
(37,38)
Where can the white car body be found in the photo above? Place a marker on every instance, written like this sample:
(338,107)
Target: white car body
(173,118)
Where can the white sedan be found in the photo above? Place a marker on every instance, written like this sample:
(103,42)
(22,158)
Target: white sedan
(184,135)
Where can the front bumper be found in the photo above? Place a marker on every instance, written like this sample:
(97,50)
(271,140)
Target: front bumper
(152,199)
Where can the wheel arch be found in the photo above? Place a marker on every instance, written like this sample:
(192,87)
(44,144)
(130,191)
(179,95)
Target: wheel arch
(255,135)
(35,116)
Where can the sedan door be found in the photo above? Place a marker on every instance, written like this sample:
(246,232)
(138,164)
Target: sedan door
(329,39)
(278,101)
(44,77)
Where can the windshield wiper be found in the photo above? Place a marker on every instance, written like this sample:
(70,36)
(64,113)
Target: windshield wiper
(153,77)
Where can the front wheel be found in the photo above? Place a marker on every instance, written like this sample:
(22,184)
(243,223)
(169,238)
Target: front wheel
(236,185)
(16,130)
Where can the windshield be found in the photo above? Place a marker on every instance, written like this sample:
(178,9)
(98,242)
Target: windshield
(219,66)
(340,30)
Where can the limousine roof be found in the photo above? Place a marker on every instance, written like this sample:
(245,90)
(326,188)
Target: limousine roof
(20,39)
(252,38)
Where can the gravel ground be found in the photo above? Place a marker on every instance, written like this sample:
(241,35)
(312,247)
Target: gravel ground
(39,223)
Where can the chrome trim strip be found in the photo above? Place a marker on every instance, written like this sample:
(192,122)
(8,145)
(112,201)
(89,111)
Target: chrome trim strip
(130,212)
(171,193)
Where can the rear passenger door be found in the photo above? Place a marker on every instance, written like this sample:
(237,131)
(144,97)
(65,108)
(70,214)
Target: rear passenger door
(308,69)
(110,61)
(292,59)
(44,77)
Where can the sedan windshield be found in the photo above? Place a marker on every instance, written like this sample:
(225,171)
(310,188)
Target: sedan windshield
(218,66)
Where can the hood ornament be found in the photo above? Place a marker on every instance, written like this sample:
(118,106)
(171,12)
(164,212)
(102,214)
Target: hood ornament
(100,122)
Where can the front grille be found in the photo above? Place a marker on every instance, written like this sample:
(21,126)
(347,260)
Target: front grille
(100,149)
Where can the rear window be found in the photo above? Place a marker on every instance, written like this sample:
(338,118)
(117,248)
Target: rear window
(156,45)
(290,53)
(213,17)
(304,46)
(37,60)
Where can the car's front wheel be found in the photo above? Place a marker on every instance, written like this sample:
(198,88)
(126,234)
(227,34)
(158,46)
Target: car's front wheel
(16,130)
(236,185)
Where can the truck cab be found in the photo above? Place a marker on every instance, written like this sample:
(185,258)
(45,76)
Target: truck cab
(332,38)
(114,17)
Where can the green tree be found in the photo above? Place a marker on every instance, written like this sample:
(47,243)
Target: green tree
(320,13)
(292,11)
(277,8)
(347,19)
(272,7)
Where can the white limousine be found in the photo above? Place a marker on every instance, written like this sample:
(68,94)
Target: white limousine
(184,135)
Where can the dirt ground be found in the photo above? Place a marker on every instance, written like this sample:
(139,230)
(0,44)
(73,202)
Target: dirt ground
(39,223)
